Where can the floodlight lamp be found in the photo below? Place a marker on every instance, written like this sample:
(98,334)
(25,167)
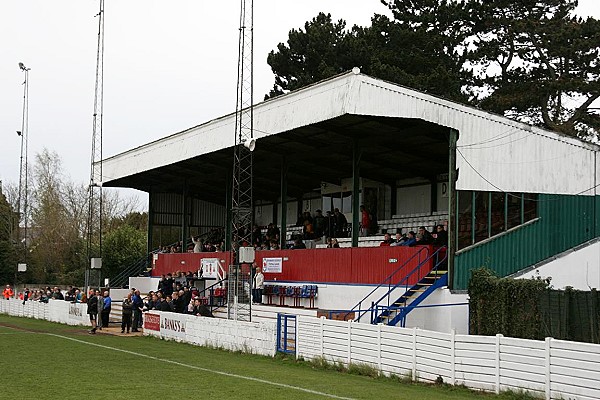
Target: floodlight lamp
(356,70)
(23,67)
(250,144)
(19,133)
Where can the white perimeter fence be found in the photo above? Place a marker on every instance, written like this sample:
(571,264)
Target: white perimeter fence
(552,369)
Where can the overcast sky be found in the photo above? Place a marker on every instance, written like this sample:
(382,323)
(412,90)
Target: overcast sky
(169,65)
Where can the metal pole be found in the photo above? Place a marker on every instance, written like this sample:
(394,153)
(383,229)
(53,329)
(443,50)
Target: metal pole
(452,217)
(355,192)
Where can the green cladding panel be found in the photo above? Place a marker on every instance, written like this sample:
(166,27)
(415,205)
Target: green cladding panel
(563,222)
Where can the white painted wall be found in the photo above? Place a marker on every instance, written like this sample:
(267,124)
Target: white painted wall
(443,317)
(249,337)
(345,297)
(579,269)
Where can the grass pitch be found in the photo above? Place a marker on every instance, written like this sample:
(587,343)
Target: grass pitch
(43,358)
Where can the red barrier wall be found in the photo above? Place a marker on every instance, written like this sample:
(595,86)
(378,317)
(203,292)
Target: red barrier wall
(359,265)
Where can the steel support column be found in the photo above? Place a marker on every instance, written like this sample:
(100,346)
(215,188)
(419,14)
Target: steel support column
(283,195)
(355,192)
(184,217)
(452,215)
(150,226)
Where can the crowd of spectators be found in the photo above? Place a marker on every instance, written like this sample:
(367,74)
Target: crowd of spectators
(175,294)
(72,294)
(422,237)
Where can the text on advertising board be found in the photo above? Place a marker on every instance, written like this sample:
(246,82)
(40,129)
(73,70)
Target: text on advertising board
(152,322)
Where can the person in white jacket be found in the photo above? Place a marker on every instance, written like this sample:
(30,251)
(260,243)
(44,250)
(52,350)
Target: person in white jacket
(259,285)
(197,244)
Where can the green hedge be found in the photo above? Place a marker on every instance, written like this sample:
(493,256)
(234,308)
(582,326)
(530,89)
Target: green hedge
(529,309)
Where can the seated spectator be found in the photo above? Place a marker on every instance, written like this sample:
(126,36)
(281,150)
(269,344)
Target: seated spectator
(274,245)
(201,310)
(387,240)
(332,243)
(298,244)
(440,236)
(423,236)
(411,240)
(398,240)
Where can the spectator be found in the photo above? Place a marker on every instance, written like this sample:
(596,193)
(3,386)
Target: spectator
(201,310)
(137,305)
(197,244)
(298,244)
(259,285)
(423,236)
(333,244)
(441,236)
(92,310)
(398,240)
(106,309)
(167,287)
(411,240)
(57,295)
(387,240)
(340,223)
(319,223)
(126,313)
(25,295)
(365,221)
(8,292)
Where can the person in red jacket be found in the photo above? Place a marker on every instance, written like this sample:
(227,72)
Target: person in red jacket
(8,292)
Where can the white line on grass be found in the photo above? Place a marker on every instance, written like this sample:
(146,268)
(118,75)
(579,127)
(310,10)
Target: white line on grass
(248,378)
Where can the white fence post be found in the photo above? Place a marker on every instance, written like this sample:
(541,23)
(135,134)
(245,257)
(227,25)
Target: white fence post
(414,355)
(321,322)
(498,337)
(453,357)
(379,347)
(548,377)
(349,356)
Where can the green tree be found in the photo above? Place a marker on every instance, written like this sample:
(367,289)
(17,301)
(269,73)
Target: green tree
(387,49)
(315,53)
(531,60)
(122,247)
(8,250)
(536,62)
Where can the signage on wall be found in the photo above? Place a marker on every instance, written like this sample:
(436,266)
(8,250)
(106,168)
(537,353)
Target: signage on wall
(272,265)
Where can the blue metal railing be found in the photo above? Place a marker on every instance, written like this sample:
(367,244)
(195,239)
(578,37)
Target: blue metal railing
(388,281)
(376,316)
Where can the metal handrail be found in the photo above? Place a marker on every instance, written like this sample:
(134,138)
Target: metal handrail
(403,281)
(388,280)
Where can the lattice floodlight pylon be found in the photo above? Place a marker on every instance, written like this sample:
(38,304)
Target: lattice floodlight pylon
(239,276)
(94,222)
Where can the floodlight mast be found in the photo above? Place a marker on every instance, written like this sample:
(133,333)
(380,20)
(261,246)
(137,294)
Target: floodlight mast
(240,275)
(95,209)
(22,197)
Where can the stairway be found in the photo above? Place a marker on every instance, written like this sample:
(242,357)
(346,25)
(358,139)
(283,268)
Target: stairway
(397,311)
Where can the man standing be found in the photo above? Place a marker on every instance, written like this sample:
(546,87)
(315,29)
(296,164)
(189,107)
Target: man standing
(259,285)
(126,313)
(92,310)
(138,305)
(8,292)
(106,309)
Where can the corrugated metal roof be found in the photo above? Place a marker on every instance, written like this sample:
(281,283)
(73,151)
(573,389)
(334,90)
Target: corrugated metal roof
(494,153)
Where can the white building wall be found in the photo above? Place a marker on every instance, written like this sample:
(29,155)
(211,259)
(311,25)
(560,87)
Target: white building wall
(579,269)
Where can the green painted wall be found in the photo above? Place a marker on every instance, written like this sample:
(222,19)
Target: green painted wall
(564,222)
